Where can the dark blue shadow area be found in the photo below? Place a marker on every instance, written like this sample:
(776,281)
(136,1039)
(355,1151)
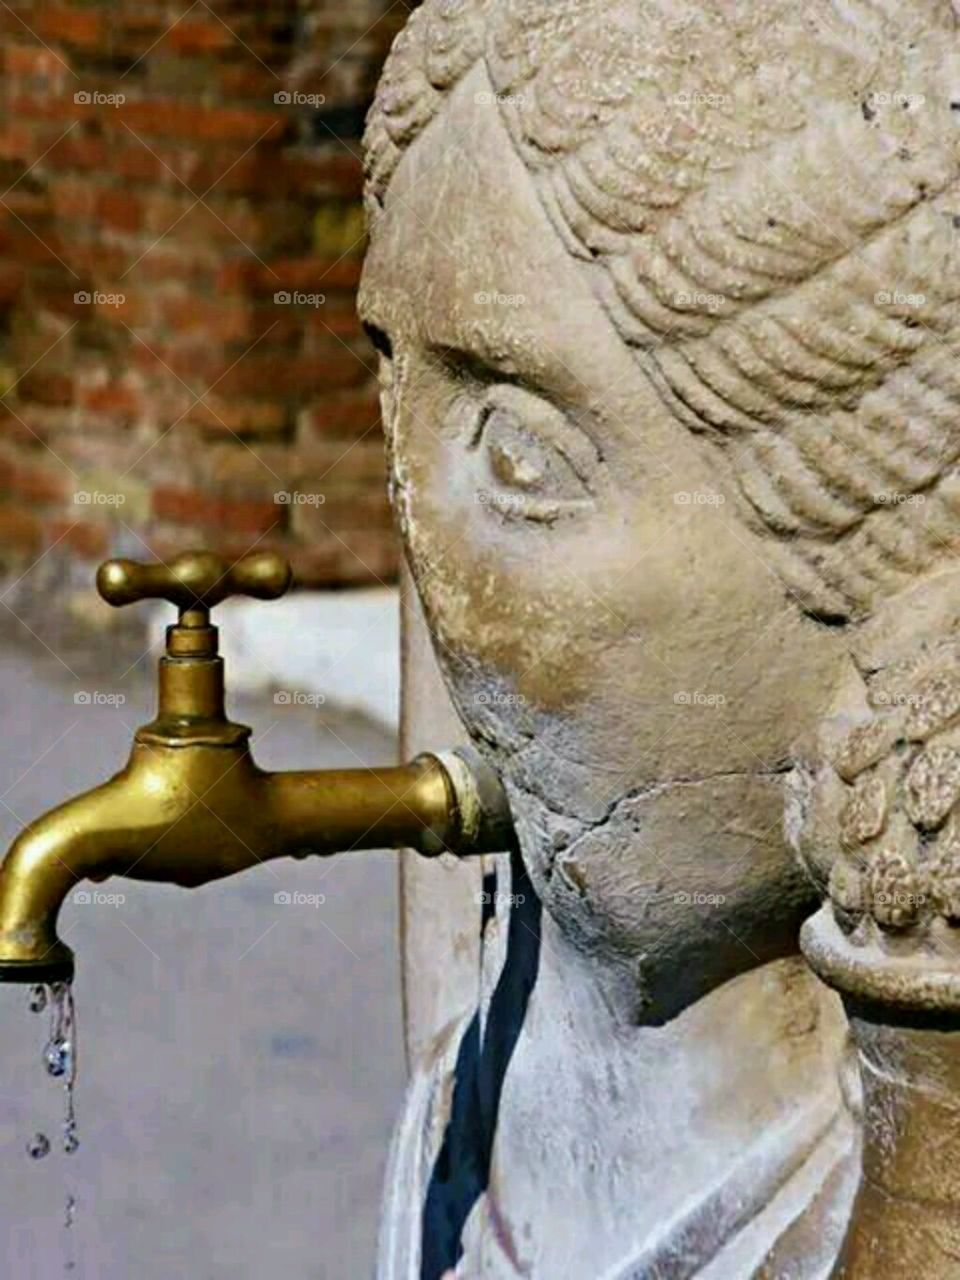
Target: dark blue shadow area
(462,1169)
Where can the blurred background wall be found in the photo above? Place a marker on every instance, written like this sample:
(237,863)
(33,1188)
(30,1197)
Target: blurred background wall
(180,241)
(180,365)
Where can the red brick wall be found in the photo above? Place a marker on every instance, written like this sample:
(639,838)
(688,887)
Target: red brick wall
(149,166)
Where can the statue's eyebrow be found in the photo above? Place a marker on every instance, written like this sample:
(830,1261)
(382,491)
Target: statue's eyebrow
(504,349)
(476,360)
(474,344)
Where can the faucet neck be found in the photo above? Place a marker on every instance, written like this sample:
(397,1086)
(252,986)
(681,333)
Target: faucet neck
(191,689)
(190,705)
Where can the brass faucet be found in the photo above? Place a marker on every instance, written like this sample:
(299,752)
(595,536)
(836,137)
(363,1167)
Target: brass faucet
(192,806)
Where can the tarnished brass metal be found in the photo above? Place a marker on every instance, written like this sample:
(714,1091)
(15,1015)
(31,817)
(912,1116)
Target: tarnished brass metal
(192,806)
(196,580)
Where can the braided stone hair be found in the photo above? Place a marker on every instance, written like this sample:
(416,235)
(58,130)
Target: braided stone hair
(766,197)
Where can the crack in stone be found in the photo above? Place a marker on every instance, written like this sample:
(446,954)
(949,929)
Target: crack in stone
(590,827)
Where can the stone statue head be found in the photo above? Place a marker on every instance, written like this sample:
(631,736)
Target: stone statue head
(665,296)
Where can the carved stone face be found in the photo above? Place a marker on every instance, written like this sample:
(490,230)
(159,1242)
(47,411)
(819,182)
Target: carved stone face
(669,297)
(609,627)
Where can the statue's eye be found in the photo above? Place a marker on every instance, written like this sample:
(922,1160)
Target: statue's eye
(536,464)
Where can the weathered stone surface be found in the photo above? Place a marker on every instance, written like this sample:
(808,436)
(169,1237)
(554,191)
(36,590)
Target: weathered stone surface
(665,297)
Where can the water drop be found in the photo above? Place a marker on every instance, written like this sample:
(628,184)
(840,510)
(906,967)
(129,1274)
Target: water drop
(58,1057)
(39,1146)
(70,1140)
(60,1061)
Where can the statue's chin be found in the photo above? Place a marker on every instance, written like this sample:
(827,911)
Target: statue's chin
(677,891)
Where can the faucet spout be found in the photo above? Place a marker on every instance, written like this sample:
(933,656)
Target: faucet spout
(192,806)
(44,863)
(187,815)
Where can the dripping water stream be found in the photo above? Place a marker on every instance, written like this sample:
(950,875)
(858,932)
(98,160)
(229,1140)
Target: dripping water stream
(60,1062)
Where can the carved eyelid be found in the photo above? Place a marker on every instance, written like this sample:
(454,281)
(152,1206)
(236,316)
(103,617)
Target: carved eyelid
(475,366)
(486,371)
(555,429)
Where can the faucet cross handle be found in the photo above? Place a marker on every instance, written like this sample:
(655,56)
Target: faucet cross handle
(195,581)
